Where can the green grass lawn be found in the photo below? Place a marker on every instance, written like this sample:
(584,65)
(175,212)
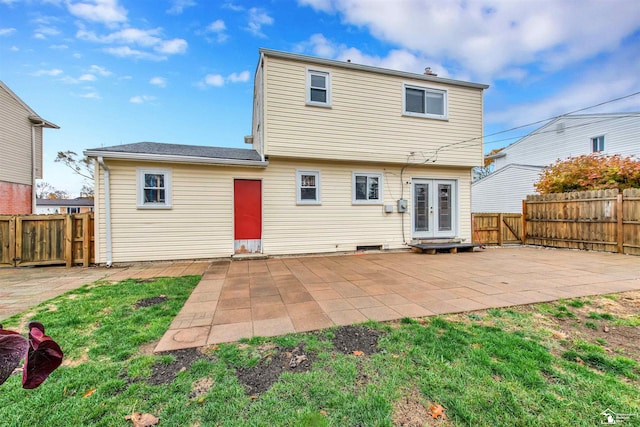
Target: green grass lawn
(501,367)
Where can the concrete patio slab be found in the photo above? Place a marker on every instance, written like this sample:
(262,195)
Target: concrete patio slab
(276,296)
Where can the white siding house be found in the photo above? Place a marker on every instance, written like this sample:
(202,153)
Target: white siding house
(518,166)
(343,156)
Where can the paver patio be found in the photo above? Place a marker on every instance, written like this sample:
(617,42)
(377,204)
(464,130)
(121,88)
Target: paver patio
(241,299)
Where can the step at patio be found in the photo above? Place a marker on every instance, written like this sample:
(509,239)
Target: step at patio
(451,247)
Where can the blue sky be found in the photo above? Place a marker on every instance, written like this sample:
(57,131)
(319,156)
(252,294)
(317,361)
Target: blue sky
(112,72)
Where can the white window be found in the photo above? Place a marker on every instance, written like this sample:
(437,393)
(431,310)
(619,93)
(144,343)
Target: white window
(308,187)
(318,88)
(73,210)
(425,102)
(367,188)
(597,144)
(154,188)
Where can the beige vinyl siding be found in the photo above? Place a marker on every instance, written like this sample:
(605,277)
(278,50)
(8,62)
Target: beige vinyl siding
(200,224)
(365,121)
(15,142)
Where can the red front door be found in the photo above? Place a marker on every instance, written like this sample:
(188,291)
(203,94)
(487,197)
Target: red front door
(247,215)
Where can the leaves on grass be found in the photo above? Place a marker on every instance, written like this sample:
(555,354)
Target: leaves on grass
(89,392)
(44,357)
(358,353)
(437,411)
(142,420)
(13,347)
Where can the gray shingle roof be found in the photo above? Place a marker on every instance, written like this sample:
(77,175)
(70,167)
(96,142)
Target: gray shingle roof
(157,148)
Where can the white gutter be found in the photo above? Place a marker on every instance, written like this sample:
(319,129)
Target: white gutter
(34,165)
(107,210)
(175,158)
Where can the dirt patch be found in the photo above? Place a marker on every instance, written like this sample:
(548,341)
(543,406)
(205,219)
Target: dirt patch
(147,302)
(200,387)
(165,373)
(259,378)
(412,410)
(349,339)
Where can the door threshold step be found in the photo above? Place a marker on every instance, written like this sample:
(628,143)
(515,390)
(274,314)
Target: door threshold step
(433,248)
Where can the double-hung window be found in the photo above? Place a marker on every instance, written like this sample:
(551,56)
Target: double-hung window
(318,88)
(597,144)
(154,188)
(367,188)
(308,187)
(425,102)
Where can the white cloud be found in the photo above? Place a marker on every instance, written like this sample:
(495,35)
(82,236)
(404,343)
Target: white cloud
(218,80)
(239,77)
(258,18)
(107,12)
(491,38)
(217,26)
(7,31)
(127,52)
(150,38)
(141,99)
(87,78)
(44,32)
(59,46)
(215,80)
(90,95)
(158,81)
(101,71)
(172,47)
(53,72)
(178,6)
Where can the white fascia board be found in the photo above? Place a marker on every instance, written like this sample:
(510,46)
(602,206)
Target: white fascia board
(176,159)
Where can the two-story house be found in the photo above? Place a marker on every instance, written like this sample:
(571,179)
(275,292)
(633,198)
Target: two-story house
(21,147)
(344,156)
(517,168)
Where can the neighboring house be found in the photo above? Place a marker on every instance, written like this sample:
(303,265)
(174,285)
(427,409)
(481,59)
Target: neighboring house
(518,166)
(64,206)
(21,147)
(343,156)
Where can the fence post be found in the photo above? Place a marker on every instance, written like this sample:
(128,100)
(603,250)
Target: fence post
(12,240)
(524,222)
(620,227)
(500,230)
(86,240)
(68,240)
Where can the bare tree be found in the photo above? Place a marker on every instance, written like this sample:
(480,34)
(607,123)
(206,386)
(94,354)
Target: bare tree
(43,189)
(82,166)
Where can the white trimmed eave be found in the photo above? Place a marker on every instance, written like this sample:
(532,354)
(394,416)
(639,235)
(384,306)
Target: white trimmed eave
(164,158)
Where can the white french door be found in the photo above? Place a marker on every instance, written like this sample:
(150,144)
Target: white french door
(434,209)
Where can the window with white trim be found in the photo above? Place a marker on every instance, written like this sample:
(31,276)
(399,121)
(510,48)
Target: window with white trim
(367,188)
(318,88)
(308,187)
(597,144)
(154,188)
(424,102)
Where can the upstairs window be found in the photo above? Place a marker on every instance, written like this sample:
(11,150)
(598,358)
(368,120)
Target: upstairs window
(154,188)
(425,102)
(318,88)
(367,188)
(597,144)
(308,187)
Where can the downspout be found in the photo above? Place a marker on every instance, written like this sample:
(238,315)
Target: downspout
(107,211)
(34,165)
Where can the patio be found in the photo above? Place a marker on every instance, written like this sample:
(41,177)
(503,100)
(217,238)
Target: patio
(241,299)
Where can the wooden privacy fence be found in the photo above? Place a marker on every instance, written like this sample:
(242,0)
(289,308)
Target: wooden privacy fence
(46,240)
(600,220)
(497,228)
